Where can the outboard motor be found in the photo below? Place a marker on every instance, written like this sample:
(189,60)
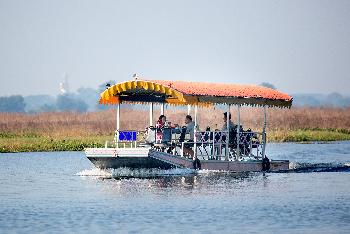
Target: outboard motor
(266,164)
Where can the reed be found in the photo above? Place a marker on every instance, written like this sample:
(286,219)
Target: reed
(104,122)
(295,124)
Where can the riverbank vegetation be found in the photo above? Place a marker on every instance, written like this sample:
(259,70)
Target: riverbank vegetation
(58,131)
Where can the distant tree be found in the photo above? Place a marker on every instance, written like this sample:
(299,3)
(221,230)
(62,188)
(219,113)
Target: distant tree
(67,102)
(47,108)
(346,101)
(90,97)
(336,100)
(316,100)
(39,103)
(13,103)
(268,85)
(308,100)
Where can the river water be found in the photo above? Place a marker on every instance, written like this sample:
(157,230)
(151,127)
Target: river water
(61,192)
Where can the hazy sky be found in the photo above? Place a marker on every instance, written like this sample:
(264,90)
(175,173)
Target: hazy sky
(299,46)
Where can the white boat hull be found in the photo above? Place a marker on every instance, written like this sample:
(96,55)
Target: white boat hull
(149,158)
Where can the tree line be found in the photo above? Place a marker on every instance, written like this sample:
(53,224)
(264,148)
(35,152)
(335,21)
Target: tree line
(83,100)
(86,99)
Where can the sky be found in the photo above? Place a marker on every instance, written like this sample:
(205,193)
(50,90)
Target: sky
(300,46)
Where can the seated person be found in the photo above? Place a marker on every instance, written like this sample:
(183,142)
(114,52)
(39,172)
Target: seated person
(163,130)
(161,121)
(189,130)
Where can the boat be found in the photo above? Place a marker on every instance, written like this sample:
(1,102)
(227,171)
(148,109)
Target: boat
(235,149)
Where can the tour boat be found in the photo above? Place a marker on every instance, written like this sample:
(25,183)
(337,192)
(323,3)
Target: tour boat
(235,149)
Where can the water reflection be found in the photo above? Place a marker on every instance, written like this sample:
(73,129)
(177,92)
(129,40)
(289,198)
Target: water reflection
(202,182)
(129,182)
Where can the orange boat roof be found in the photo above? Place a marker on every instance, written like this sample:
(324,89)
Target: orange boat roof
(193,93)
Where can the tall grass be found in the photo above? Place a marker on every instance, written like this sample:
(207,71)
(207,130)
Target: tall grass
(104,122)
(75,131)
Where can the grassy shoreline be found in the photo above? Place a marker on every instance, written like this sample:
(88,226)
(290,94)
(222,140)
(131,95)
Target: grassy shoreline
(30,142)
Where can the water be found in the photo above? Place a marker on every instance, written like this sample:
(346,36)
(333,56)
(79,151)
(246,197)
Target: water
(61,192)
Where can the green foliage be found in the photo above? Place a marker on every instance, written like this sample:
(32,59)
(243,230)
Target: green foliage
(31,142)
(7,135)
(309,135)
(40,143)
(23,135)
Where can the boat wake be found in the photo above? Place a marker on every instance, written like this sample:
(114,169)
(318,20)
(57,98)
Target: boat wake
(294,167)
(135,173)
(95,172)
(318,167)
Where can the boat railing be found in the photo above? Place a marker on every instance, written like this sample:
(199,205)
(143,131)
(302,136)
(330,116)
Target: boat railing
(213,145)
(251,144)
(207,145)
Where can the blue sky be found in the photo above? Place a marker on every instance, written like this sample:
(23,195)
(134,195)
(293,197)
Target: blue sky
(299,46)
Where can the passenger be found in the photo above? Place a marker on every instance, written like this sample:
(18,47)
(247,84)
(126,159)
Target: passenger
(232,131)
(231,124)
(161,122)
(190,125)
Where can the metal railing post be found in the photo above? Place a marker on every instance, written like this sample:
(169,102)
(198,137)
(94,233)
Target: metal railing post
(195,132)
(228,132)
(151,114)
(264,133)
(162,109)
(238,130)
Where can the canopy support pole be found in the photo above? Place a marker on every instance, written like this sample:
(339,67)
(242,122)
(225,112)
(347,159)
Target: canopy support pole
(151,114)
(162,109)
(116,135)
(195,132)
(118,117)
(238,129)
(264,133)
(227,153)
(188,109)
(195,115)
